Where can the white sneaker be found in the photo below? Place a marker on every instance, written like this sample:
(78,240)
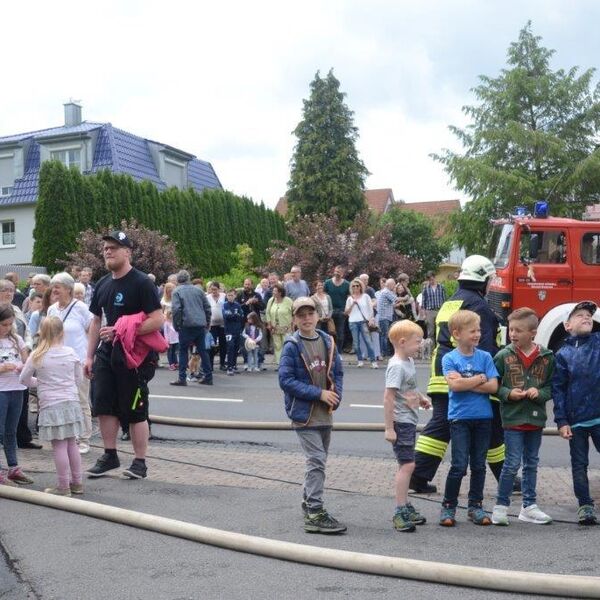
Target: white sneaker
(256,370)
(499,516)
(360,364)
(84,448)
(374,365)
(532,514)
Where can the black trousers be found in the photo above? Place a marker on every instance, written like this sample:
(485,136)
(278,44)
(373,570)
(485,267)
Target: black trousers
(432,443)
(24,435)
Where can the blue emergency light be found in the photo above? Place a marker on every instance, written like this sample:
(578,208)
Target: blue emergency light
(540,209)
(521,211)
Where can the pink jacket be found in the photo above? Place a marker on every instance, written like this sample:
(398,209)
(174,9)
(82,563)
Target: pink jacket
(136,347)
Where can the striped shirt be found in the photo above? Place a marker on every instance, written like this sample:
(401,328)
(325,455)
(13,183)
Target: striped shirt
(433,298)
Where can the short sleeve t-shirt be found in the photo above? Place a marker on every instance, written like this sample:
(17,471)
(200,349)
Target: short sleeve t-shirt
(337,293)
(10,352)
(127,295)
(76,321)
(470,404)
(401,376)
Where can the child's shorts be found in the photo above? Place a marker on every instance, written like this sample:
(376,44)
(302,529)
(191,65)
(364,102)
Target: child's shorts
(404,446)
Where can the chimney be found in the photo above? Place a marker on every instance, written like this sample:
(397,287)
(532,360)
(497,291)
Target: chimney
(72,114)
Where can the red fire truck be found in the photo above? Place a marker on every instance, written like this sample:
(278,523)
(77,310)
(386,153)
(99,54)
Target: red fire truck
(547,264)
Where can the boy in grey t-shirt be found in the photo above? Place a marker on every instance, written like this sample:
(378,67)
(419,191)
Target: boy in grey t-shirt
(401,401)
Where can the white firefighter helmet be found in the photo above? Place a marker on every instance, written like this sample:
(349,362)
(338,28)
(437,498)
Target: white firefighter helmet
(476,268)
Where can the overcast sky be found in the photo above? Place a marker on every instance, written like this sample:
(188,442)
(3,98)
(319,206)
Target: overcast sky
(225,81)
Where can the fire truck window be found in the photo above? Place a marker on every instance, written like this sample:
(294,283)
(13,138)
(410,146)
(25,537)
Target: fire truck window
(590,248)
(551,247)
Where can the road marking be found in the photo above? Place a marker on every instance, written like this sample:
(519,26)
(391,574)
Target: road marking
(366,406)
(197,398)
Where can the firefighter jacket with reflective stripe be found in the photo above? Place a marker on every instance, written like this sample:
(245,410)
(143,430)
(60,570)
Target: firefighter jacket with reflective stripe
(463,299)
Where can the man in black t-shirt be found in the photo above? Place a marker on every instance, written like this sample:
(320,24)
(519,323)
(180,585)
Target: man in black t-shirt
(120,394)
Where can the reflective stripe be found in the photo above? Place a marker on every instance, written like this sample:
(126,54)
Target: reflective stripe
(496,455)
(437,385)
(431,446)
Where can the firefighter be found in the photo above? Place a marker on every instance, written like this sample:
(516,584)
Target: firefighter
(473,280)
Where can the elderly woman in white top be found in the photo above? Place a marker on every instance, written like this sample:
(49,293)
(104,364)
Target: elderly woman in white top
(76,320)
(360,313)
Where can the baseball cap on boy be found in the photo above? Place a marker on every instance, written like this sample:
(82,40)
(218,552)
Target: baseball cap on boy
(301,303)
(584,305)
(120,237)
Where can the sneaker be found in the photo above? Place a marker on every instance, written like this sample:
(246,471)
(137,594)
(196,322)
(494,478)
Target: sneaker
(360,364)
(222,368)
(126,436)
(4,480)
(181,381)
(478,516)
(532,514)
(137,470)
(499,515)
(415,517)
(587,515)
(402,520)
(205,382)
(374,365)
(230,372)
(322,522)
(106,463)
(16,474)
(84,447)
(448,516)
(76,489)
(56,491)
(257,370)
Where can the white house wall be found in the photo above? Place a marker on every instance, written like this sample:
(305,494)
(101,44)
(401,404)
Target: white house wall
(24,218)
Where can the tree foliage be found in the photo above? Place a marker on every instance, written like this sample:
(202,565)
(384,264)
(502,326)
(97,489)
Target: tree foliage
(152,252)
(414,235)
(205,227)
(533,135)
(326,171)
(319,244)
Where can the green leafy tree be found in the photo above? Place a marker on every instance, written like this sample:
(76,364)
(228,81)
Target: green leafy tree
(533,135)
(415,236)
(326,171)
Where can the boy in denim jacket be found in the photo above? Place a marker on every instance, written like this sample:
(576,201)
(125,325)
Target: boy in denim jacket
(311,376)
(576,395)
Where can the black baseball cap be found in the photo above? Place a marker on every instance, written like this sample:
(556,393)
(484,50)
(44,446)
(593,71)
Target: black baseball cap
(588,305)
(118,236)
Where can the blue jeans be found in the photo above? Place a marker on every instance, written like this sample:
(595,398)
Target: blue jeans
(470,442)
(580,447)
(233,347)
(11,404)
(359,330)
(197,337)
(519,445)
(384,342)
(252,359)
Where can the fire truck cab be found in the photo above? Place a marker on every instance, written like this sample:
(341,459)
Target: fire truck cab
(547,264)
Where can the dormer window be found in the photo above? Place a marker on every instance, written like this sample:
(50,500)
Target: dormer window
(7,174)
(175,173)
(70,157)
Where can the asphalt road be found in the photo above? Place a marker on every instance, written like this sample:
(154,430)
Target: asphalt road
(257,397)
(59,556)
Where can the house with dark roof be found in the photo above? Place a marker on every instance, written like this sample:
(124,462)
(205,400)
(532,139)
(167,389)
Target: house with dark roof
(90,147)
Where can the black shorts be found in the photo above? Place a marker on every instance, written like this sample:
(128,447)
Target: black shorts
(404,447)
(118,391)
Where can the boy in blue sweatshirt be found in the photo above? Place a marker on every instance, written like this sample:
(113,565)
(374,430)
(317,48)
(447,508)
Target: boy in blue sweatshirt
(576,395)
(311,376)
(233,317)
